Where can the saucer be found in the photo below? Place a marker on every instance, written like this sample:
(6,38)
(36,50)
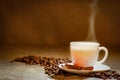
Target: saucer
(97,68)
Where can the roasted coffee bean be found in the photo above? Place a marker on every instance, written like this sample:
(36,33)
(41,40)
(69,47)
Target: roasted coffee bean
(92,75)
(98,74)
(30,62)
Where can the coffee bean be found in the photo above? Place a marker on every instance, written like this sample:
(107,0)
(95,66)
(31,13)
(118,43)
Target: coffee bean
(107,73)
(92,75)
(97,74)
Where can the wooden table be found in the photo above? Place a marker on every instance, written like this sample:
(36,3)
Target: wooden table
(8,53)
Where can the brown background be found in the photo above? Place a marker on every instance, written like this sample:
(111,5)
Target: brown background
(57,22)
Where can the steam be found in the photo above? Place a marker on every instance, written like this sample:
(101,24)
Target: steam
(91,36)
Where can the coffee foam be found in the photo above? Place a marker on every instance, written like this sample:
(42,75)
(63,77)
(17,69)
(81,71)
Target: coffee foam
(84,45)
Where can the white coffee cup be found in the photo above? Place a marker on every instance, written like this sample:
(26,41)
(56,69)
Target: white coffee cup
(85,54)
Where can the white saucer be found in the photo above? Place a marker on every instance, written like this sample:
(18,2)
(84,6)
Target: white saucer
(97,68)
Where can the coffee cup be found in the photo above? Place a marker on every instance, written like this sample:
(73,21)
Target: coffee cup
(86,54)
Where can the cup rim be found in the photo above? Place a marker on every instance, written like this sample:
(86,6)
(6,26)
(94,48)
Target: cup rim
(84,43)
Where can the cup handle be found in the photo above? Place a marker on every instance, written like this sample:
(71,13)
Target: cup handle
(105,56)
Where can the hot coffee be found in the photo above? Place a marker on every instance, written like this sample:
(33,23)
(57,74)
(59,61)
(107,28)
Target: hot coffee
(86,53)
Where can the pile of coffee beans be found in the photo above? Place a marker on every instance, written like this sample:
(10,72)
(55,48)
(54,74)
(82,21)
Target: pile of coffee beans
(51,67)
(50,64)
(106,75)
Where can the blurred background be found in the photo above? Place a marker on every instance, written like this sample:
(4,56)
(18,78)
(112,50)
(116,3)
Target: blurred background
(55,23)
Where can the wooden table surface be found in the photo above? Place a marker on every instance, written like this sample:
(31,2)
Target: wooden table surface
(10,52)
